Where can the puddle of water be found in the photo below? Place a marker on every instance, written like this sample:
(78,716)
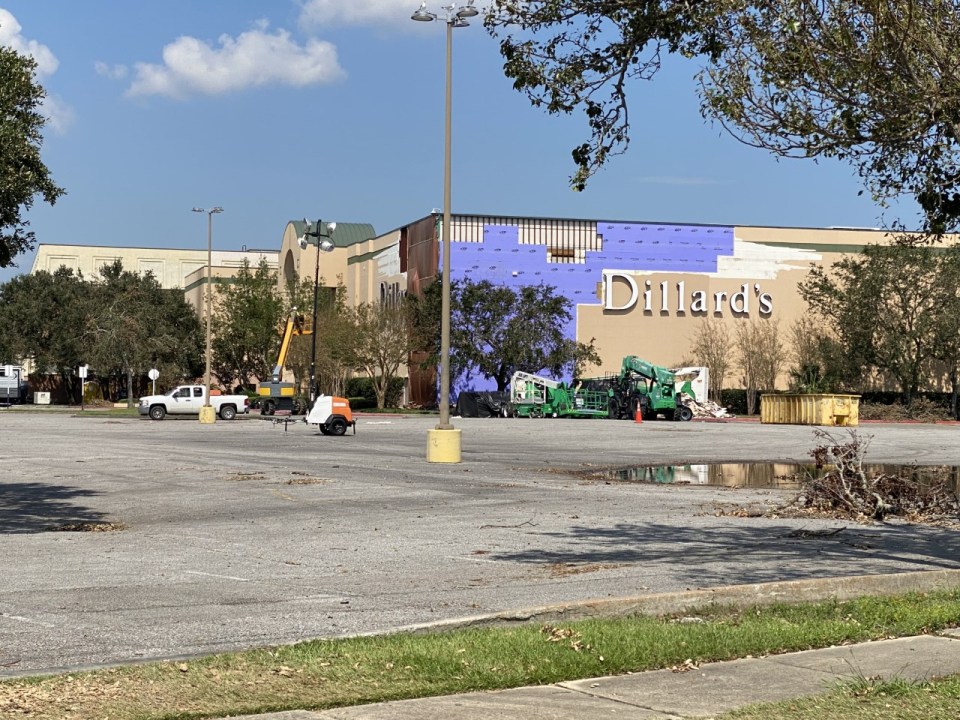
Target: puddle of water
(787,476)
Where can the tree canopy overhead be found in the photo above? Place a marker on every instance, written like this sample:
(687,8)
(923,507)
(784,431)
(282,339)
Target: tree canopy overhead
(872,82)
(23,175)
(569,54)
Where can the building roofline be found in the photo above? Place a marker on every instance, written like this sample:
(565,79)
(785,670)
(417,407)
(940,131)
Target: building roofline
(838,228)
(151,247)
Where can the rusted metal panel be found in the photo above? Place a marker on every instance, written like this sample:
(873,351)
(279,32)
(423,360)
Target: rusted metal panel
(419,251)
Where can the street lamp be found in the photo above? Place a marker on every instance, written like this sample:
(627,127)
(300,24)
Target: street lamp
(208,415)
(443,443)
(315,235)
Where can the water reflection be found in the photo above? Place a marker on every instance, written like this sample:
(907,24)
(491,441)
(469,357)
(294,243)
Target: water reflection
(769,475)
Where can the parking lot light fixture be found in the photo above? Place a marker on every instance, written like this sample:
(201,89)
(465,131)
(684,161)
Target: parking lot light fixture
(321,236)
(207,414)
(443,443)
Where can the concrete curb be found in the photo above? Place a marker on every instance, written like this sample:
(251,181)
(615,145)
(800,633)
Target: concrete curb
(788,591)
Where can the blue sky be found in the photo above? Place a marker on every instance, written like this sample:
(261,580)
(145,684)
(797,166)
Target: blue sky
(333,109)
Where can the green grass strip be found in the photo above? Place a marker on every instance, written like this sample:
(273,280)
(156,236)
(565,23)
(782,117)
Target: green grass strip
(866,700)
(332,673)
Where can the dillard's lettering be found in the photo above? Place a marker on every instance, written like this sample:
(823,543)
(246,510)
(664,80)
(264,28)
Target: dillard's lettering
(739,302)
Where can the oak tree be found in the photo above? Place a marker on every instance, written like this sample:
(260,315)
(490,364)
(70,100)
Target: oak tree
(23,176)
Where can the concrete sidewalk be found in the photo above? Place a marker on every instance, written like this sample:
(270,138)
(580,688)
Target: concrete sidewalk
(706,691)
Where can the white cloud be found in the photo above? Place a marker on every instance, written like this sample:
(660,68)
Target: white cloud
(58,113)
(317,13)
(114,72)
(255,58)
(10,36)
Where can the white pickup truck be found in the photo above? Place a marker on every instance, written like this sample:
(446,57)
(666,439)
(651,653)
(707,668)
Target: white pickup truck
(188,399)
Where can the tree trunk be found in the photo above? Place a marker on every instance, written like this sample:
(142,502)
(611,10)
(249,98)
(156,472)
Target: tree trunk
(380,390)
(129,388)
(953,393)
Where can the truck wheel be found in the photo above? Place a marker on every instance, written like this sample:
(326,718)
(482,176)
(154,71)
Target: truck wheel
(613,409)
(158,412)
(684,414)
(337,426)
(269,408)
(228,412)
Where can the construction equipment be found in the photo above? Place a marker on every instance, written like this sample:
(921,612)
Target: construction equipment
(277,395)
(332,415)
(537,396)
(642,385)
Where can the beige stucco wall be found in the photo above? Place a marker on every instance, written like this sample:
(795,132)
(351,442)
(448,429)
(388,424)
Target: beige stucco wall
(766,261)
(170,266)
(298,264)
(374,270)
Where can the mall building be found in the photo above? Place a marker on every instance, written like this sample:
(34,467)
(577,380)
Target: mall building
(636,288)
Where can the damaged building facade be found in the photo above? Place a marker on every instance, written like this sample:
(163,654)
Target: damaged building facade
(636,288)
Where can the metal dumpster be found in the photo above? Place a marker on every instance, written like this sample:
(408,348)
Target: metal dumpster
(809,409)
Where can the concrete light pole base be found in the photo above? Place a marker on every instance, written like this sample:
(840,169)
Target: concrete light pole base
(443,446)
(208,415)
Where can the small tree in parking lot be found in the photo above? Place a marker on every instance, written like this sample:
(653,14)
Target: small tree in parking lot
(713,349)
(760,355)
(383,342)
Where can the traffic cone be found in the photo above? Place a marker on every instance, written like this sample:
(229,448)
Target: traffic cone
(638,415)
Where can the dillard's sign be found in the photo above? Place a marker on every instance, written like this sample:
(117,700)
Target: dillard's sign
(699,301)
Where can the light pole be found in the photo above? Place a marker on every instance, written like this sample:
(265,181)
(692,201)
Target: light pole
(315,235)
(208,415)
(443,443)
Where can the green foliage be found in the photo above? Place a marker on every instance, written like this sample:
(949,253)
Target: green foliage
(862,82)
(425,313)
(891,308)
(362,388)
(735,400)
(819,363)
(248,312)
(328,343)
(122,323)
(344,672)
(868,83)
(382,341)
(495,331)
(132,324)
(569,54)
(23,175)
(43,318)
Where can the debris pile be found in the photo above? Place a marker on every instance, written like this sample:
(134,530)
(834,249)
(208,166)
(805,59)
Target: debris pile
(704,409)
(850,490)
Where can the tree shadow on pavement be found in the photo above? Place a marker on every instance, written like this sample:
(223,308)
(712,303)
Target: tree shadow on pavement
(732,554)
(38,507)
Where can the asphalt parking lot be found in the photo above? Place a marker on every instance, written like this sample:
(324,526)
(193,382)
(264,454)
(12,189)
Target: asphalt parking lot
(242,534)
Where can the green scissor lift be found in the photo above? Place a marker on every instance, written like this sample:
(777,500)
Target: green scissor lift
(536,396)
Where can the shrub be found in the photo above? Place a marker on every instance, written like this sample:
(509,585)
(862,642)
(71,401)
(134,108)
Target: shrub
(362,387)
(734,400)
(922,409)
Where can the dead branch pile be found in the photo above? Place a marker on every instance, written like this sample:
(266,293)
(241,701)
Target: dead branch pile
(851,490)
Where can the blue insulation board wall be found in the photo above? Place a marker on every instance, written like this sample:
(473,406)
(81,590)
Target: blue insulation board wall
(641,247)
